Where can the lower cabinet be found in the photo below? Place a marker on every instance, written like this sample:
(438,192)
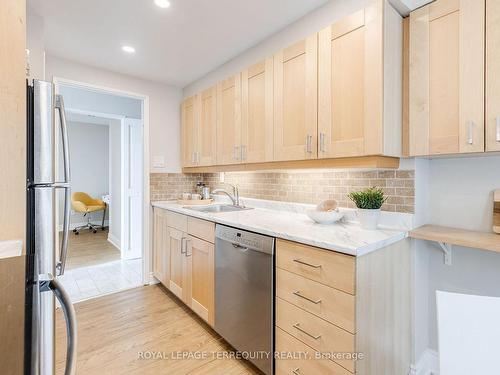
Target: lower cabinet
(161,255)
(199,276)
(184,259)
(332,309)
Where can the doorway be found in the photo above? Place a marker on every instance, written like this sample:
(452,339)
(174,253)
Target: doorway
(106,251)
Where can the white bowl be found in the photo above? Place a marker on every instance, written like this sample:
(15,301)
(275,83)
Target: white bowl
(324,217)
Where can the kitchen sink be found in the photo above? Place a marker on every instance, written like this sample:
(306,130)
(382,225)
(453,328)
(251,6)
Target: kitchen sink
(217,208)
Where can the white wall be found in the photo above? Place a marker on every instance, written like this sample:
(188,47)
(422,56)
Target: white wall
(115,181)
(164,105)
(36,45)
(89,155)
(453,192)
(93,101)
(307,25)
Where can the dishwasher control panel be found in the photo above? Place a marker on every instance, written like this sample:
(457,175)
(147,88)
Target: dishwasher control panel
(243,238)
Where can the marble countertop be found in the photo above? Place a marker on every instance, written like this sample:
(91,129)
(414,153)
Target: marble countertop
(345,237)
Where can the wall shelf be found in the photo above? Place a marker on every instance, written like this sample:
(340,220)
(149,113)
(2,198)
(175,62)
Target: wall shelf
(446,237)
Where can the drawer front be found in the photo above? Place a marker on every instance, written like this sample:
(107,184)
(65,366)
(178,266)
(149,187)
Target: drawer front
(324,266)
(177,221)
(201,228)
(304,361)
(315,332)
(328,303)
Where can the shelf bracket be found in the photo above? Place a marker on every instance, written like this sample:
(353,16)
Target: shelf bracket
(446,247)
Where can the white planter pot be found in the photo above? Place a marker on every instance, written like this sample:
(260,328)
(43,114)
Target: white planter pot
(368,219)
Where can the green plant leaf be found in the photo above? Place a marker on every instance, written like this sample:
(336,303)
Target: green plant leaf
(369,199)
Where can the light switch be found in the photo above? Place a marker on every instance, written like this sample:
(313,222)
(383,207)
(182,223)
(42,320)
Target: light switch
(159,161)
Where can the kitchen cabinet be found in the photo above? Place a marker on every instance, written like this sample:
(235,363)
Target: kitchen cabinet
(207,127)
(295,101)
(189,133)
(229,121)
(199,258)
(176,244)
(257,112)
(329,302)
(184,259)
(492,75)
(360,75)
(161,256)
(446,78)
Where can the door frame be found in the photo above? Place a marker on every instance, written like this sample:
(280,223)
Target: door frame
(147,210)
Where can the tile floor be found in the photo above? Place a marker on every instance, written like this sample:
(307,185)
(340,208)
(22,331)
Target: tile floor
(93,281)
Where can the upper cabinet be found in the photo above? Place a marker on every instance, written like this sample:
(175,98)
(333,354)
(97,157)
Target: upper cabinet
(336,94)
(360,75)
(207,127)
(492,75)
(257,113)
(189,132)
(199,135)
(295,101)
(446,78)
(229,121)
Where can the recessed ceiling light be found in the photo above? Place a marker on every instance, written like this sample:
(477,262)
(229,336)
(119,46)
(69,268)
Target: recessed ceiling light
(162,3)
(128,49)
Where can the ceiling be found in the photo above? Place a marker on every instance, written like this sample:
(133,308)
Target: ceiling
(176,45)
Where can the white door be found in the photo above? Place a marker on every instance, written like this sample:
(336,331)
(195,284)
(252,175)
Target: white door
(132,162)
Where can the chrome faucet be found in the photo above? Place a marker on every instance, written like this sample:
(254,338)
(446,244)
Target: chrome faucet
(235,197)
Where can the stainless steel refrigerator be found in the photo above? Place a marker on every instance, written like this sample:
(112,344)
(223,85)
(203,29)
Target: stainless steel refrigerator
(46,254)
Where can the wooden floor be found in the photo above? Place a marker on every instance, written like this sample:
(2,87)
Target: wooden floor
(114,330)
(89,249)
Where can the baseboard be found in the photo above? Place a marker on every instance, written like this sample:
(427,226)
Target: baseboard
(74,225)
(114,241)
(427,364)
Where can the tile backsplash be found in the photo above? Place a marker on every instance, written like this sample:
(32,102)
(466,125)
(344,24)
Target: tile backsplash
(297,186)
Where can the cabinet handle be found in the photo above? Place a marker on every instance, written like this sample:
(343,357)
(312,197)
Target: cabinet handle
(192,158)
(307,264)
(243,152)
(298,294)
(188,240)
(322,142)
(498,129)
(236,153)
(297,327)
(183,245)
(197,157)
(309,144)
(470,133)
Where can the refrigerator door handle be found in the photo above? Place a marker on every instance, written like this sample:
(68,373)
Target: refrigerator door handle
(52,284)
(64,134)
(61,263)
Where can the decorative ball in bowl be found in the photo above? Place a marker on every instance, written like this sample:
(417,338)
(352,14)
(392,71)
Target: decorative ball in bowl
(325,213)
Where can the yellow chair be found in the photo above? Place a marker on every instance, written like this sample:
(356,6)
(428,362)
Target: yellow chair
(85,204)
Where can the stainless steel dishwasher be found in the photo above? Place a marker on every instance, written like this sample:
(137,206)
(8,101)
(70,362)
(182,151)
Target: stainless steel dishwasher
(244,293)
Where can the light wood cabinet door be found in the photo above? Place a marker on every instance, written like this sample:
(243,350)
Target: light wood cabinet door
(200,270)
(351,85)
(295,101)
(492,75)
(229,121)
(189,130)
(257,112)
(161,257)
(207,127)
(176,243)
(446,103)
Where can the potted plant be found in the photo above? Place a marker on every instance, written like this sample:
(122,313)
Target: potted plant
(368,202)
